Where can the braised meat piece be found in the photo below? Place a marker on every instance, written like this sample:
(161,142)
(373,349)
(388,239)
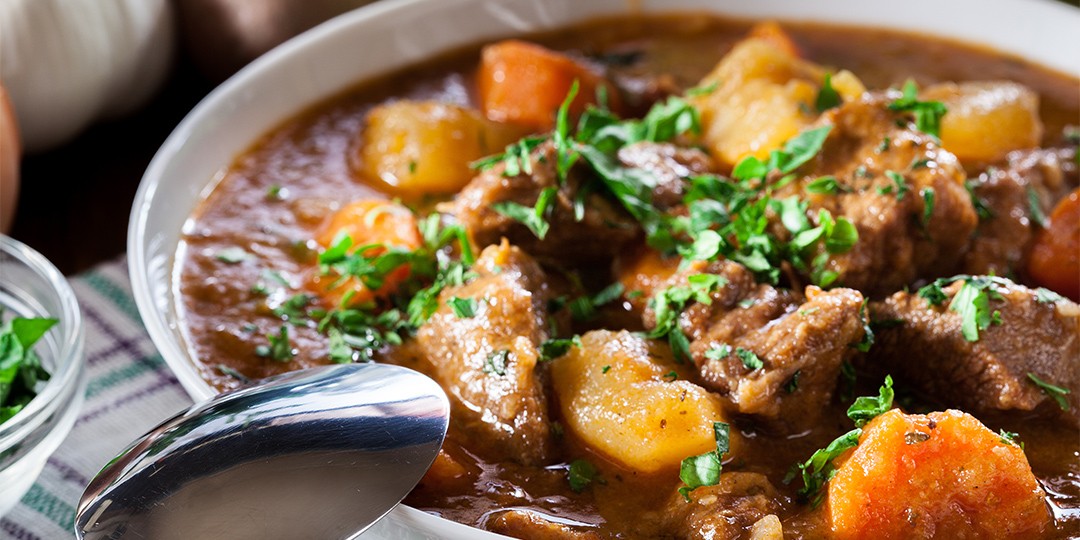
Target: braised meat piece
(742,303)
(670,165)
(603,230)
(528,525)
(784,370)
(924,344)
(741,501)
(487,362)
(1004,195)
(903,193)
(799,342)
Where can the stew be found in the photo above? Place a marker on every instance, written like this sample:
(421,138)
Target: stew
(684,277)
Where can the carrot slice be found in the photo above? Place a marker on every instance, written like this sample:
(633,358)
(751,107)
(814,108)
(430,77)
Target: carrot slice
(525,83)
(941,475)
(1054,260)
(367,222)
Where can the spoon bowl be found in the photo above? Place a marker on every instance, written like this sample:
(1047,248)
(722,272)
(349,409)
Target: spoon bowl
(319,453)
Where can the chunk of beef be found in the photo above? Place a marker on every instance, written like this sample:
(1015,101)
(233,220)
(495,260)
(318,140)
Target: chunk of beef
(603,230)
(531,526)
(725,511)
(800,351)
(487,363)
(1005,231)
(901,236)
(801,342)
(927,348)
(742,303)
(670,165)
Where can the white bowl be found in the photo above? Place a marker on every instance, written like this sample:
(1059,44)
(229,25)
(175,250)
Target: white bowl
(394,33)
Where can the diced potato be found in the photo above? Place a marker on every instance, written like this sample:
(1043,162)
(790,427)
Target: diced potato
(764,95)
(987,119)
(366,222)
(640,272)
(425,147)
(525,83)
(941,475)
(614,396)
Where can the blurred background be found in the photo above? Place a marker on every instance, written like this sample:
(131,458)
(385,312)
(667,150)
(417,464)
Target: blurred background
(83,110)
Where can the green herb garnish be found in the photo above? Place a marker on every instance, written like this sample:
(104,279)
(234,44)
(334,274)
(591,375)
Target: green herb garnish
(927,113)
(1055,393)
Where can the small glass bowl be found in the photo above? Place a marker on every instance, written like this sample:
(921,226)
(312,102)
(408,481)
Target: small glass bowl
(30,286)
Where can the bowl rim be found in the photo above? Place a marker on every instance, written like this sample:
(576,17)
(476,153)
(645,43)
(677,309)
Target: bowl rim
(170,342)
(69,345)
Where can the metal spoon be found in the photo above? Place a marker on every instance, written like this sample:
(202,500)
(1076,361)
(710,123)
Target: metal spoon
(318,453)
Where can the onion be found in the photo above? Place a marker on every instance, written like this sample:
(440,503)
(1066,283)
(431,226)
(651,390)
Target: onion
(68,62)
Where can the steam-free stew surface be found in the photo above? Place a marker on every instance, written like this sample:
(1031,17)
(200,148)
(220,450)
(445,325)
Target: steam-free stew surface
(250,248)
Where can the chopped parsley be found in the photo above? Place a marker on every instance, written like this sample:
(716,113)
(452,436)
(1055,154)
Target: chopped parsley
(463,308)
(555,348)
(583,308)
(827,97)
(704,469)
(20,366)
(535,217)
(496,362)
(279,347)
(668,303)
(927,113)
(793,384)
(1010,438)
(719,353)
(899,186)
(971,302)
(819,469)
(827,185)
(981,208)
(928,205)
(796,151)
(228,372)
(1055,393)
(1035,208)
(580,474)
(749,359)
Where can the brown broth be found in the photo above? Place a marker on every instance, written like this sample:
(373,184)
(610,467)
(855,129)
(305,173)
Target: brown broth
(312,156)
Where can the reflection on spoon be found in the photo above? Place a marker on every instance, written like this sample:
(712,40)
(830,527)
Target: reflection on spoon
(318,453)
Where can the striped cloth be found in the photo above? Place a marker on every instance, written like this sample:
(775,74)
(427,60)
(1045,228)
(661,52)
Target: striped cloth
(129,391)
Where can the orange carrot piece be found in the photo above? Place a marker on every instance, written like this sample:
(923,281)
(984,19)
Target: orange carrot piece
(525,83)
(1054,260)
(367,221)
(941,475)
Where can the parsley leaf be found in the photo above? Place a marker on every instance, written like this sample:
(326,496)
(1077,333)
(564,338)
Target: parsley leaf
(704,469)
(827,97)
(580,474)
(827,185)
(20,366)
(928,205)
(463,308)
(749,359)
(280,348)
(972,302)
(233,255)
(867,408)
(555,348)
(1046,296)
(495,363)
(718,353)
(1035,208)
(531,217)
(1055,393)
(927,113)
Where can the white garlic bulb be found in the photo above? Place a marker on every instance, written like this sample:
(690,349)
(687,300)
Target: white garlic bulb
(66,63)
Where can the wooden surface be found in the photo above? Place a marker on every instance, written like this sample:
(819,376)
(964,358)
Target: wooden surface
(74,201)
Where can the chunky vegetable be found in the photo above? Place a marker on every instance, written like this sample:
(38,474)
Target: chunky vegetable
(524,83)
(987,119)
(1054,261)
(941,475)
(367,226)
(422,147)
(617,394)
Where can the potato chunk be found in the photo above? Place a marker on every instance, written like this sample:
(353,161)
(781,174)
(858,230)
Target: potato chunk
(987,119)
(617,394)
(421,147)
(765,94)
(941,475)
